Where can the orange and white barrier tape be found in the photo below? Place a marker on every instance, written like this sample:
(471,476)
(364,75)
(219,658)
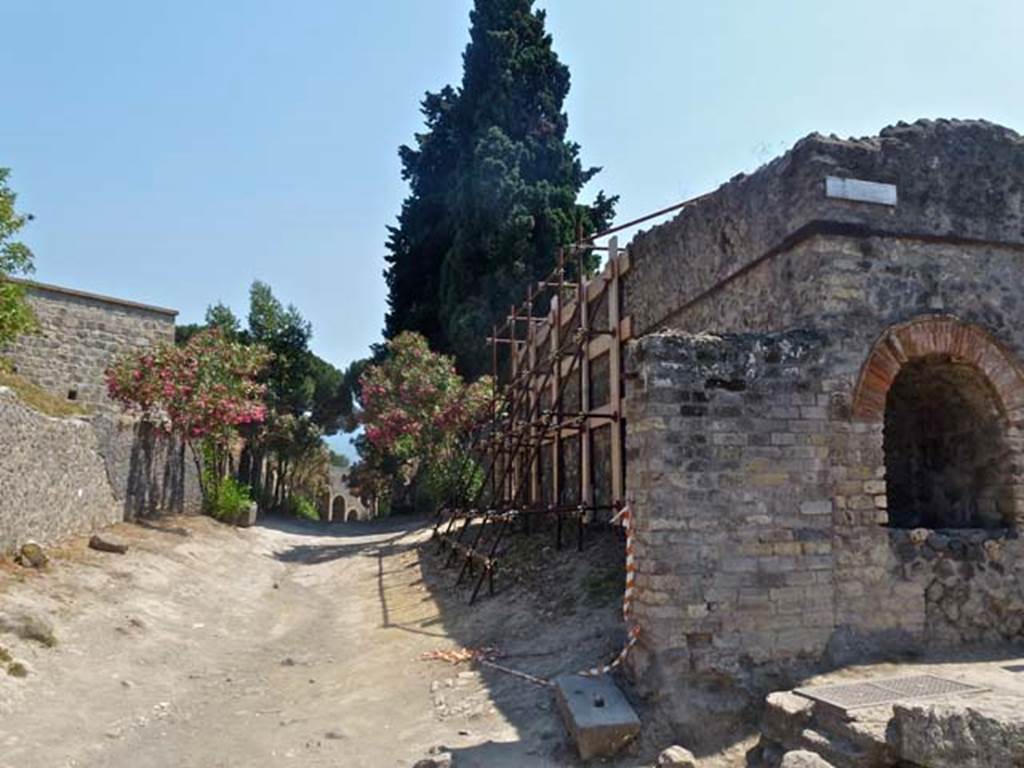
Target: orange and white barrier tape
(625,517)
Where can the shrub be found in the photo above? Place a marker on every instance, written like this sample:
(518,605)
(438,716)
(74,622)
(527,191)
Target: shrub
(300,506)
(16,317)
(228,501)
(418,416)
(201,392)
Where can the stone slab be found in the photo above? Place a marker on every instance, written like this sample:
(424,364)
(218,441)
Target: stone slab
(988,733)
(596,714)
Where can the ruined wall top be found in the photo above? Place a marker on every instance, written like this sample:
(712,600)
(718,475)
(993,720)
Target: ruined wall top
(955,180)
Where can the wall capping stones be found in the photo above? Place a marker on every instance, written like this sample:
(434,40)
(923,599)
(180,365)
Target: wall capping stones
(37,286)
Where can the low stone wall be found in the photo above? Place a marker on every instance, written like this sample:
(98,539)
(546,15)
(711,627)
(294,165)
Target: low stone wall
(53,480)
(150,473)
(49,486)
(970,582)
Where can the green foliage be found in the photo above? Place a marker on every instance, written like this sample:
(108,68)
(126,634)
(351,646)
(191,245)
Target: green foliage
(16,316)
(286,334)
(340,460)
(449,476)
(220,316)
(228,499)
(417,413)
(306,397)
(300,506)
(493,188)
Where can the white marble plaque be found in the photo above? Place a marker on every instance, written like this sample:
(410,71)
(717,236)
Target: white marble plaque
(860,191)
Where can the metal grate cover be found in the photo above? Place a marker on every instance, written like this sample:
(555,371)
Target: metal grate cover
(847,696)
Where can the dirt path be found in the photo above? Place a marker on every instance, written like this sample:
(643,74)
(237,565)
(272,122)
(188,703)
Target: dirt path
(296,644)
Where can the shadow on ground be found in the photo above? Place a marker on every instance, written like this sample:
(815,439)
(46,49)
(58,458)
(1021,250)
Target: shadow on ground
(554,611)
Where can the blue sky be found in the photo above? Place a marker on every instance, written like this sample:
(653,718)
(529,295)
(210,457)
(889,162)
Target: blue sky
(174,151)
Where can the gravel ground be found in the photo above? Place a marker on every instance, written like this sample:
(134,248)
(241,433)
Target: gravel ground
(295,643)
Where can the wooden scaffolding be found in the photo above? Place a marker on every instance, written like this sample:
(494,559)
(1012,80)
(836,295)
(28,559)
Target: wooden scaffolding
(554,444)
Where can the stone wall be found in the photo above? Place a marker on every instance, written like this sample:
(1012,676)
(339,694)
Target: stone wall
(145,474)
(959,179)
(727,456)
(756,461)
(53,480)
(79,336)
(341,503)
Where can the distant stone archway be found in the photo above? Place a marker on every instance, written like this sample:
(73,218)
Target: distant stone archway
(337,508)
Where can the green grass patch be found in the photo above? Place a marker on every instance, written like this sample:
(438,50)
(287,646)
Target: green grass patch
(38,399)
(17,669)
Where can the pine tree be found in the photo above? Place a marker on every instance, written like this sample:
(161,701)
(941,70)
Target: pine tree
(494,187)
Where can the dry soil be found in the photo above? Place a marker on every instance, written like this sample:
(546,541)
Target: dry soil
(295,644)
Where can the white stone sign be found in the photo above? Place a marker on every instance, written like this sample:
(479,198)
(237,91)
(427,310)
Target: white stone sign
(860,191)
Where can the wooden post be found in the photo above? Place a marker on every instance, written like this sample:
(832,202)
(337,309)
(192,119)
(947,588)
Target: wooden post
(556,388)
(615,374)
(534,495)
(491,447)
(512,455)
(586,479)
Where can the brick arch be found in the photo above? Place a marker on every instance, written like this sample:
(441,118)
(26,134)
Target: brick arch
(918,338)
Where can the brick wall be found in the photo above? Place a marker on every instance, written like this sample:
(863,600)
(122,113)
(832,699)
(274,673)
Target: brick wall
(728,469)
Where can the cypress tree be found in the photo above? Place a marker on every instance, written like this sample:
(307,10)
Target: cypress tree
(494,187)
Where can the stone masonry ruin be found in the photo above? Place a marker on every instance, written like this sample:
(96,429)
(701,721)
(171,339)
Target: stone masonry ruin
(60,476)
(824,402)
(819,410)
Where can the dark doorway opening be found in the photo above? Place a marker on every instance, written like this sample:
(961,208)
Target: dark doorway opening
(946,459)
(338,509)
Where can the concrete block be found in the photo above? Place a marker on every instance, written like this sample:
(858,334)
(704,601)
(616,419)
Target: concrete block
(596,714)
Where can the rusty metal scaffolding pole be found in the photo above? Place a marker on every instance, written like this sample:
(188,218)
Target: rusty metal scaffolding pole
(540,448)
